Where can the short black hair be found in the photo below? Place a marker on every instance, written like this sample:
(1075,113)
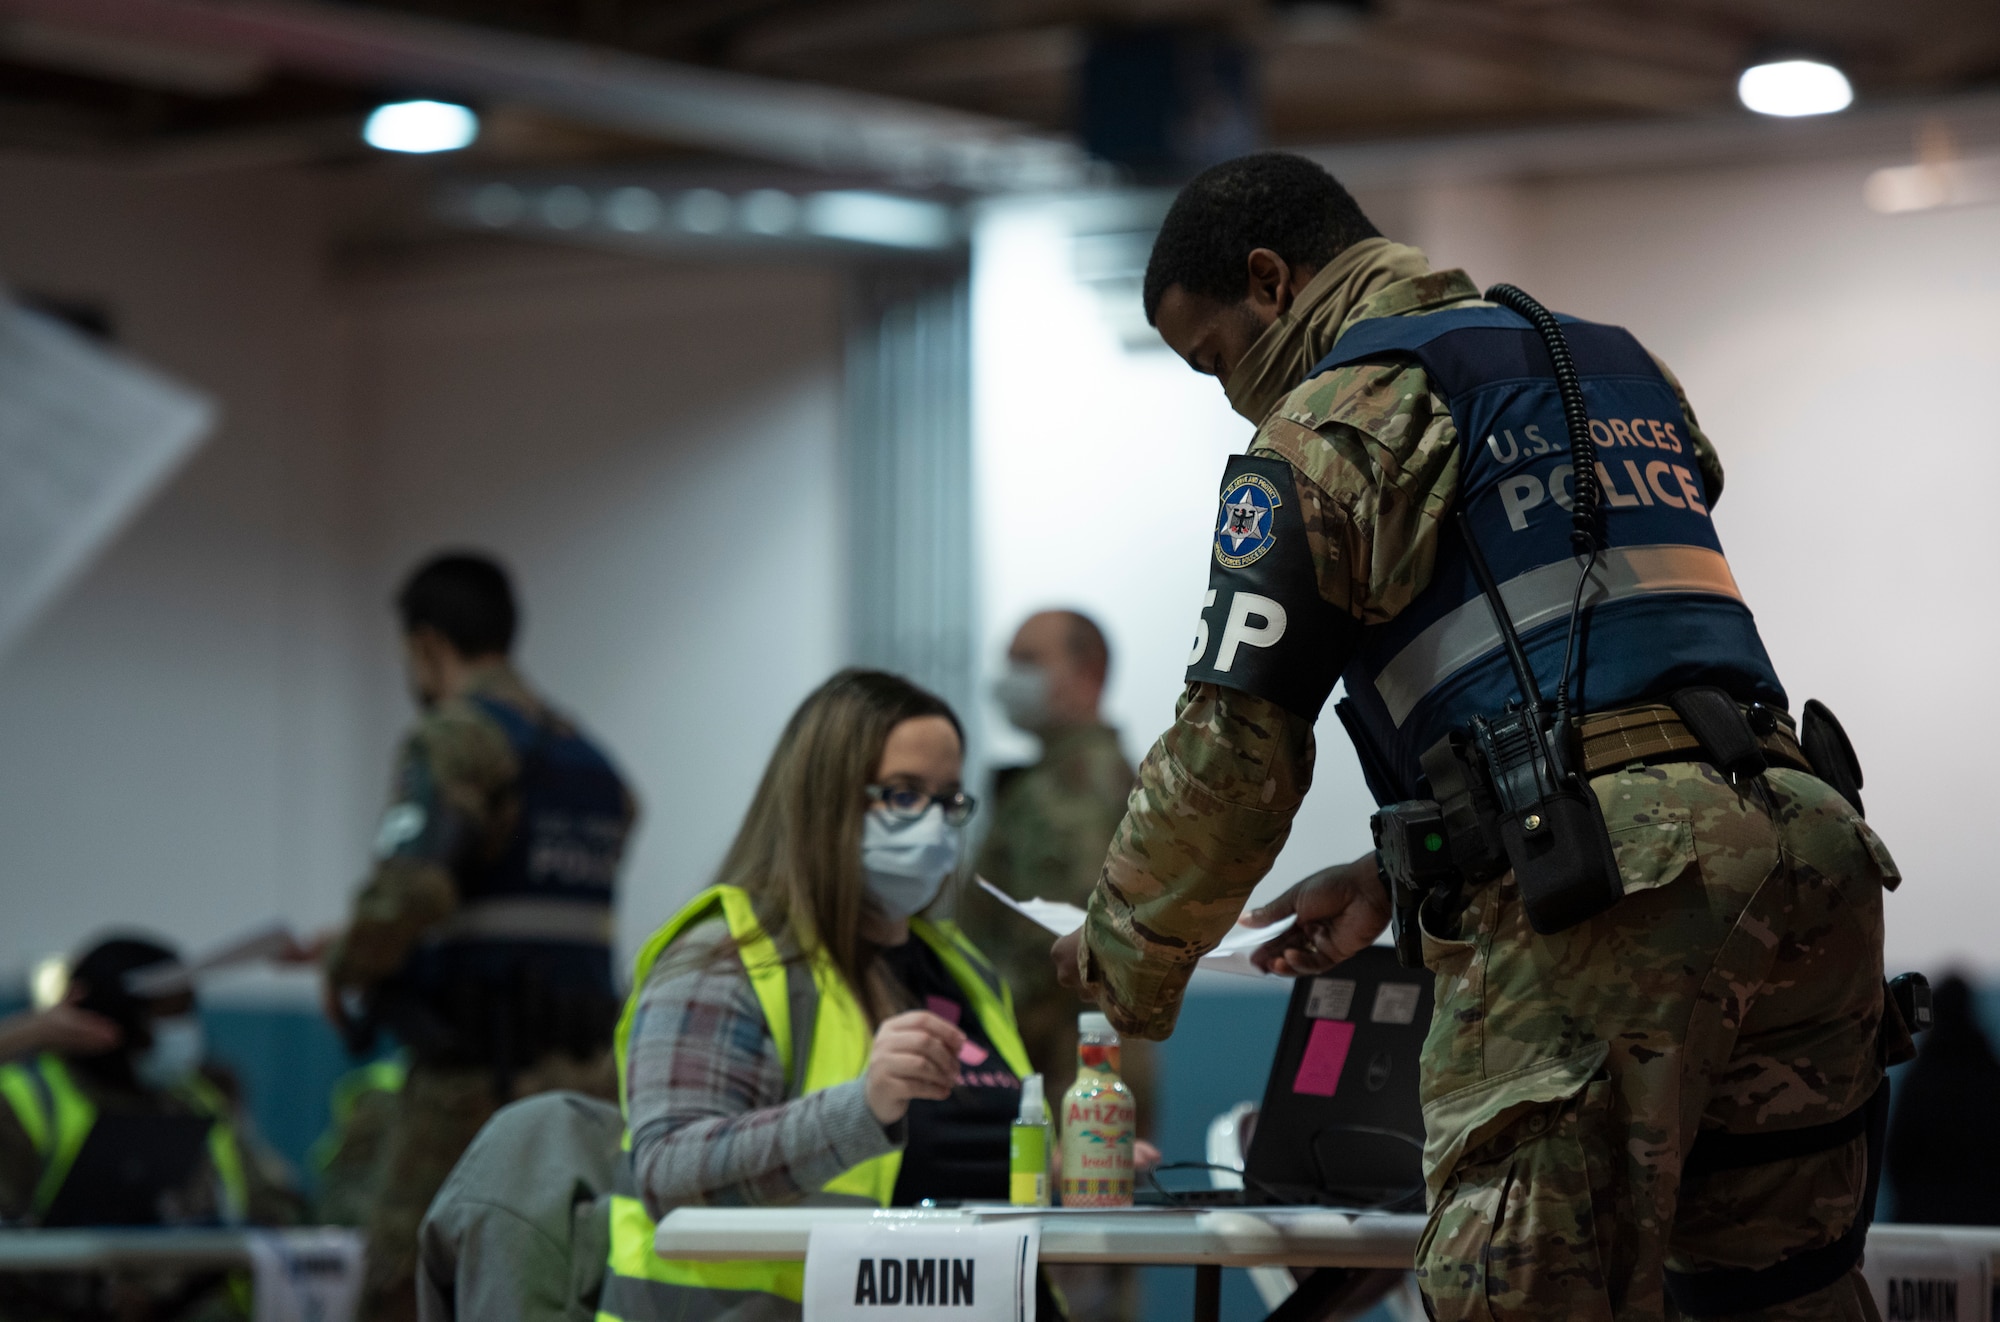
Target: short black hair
(101,971)
(466,597)
(1271,199)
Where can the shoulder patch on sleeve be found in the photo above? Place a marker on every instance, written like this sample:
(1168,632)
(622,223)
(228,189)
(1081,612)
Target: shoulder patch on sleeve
(1250,503)
(1264,628)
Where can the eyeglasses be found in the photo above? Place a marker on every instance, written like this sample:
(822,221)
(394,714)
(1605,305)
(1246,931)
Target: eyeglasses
(907,802)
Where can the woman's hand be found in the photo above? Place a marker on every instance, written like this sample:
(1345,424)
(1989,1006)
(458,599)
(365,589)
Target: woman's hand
(1341,910)
(915,1055)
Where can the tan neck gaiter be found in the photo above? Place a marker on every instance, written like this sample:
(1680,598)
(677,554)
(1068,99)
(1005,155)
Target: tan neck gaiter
(1278,361)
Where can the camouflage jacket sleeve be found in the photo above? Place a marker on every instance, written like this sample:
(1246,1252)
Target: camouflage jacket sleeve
(1375,458)
(1705,457)
(453,792)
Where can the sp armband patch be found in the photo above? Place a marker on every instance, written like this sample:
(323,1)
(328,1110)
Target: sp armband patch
(1264,628)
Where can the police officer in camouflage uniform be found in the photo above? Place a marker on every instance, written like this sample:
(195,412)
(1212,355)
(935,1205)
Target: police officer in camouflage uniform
(482,940)
(1597,1101)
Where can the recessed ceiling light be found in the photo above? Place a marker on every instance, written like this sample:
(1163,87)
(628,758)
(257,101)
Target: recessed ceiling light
(1794,87)
(420,126)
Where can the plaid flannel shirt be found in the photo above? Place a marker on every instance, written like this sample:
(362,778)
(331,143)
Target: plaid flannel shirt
(705,1093)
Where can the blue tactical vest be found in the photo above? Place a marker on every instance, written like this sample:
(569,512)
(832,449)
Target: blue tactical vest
(572,828)
(1662,611)
(525,964)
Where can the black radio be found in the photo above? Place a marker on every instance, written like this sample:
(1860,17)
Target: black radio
(1509,792)
(1411,853)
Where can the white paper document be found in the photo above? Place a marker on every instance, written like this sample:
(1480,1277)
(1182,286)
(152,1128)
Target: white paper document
(913,1268)
(87,434)
(1231,955)
(271,941)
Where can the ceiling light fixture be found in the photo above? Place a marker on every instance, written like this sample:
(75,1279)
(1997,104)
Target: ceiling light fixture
(420,126)
(1790,88)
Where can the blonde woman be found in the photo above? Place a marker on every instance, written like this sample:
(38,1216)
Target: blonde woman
(800,1032)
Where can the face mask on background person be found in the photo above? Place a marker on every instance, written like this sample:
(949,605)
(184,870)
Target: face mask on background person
(175,1054)
(906,863)
(1023,695)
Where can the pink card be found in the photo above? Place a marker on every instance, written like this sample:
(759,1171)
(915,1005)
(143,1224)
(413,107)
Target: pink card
(1326,1055)
(942,1008)
(971,1053)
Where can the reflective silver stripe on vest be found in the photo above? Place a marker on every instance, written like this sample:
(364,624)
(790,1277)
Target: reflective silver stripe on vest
(1537,597)
(529,920)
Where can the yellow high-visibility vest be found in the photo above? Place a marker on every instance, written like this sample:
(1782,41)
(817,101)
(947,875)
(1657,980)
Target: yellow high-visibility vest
(641,1286)
(57,1117)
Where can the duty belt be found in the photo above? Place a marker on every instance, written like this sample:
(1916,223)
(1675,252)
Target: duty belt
(1653,733)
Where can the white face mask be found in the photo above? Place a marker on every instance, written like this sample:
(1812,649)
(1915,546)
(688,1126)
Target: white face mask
(1023,694)
(177,1050)
(906,863)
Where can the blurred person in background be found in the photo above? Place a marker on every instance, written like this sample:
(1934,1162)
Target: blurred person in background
(351,1159)
(482,940)
(1944,1149)
(800,1030)
(120,1120)
(1052,823)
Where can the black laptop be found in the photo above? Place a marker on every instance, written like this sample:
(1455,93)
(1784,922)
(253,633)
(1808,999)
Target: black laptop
(1341,1124)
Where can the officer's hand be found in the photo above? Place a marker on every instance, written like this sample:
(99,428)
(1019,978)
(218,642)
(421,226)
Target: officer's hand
(1063,952)
(915,1055)
(306,950)
(1341,910)
(334,1008)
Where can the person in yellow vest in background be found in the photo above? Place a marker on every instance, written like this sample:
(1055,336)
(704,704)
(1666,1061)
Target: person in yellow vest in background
(801,1031)
(350,1160)
(120,1126)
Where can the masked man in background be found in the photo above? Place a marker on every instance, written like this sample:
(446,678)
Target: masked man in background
(483,938)
(121,1125)
(1052,821)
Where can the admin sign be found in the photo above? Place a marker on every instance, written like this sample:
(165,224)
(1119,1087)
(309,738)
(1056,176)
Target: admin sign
(908,1264)
(1928,1278)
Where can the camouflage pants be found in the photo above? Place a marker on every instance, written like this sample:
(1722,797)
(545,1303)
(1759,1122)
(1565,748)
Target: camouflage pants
(439,1111)
(1737,985)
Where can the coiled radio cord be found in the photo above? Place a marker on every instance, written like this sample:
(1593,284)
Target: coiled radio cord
(1586,493)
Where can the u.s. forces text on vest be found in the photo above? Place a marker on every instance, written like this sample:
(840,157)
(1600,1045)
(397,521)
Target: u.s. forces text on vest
(1627,482)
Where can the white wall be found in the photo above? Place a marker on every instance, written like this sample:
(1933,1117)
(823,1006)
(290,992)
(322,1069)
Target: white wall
(1095,476)
(176,735)
(655,451)
(1841,361)
(198,736)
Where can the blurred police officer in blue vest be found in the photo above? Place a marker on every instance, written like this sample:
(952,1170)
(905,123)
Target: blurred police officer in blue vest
(482,938)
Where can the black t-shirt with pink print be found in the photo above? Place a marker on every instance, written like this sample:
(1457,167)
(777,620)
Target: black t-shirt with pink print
(957,1147)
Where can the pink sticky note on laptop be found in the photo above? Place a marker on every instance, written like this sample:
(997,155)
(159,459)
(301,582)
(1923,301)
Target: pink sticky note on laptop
(1325,1057)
